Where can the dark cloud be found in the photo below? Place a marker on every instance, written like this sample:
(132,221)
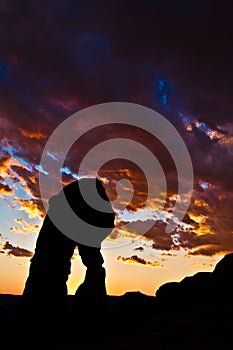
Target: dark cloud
(140,249)
(211,250)
(161,240)
(187,220)
(30,178)
(168,254)
(16,251)
(134,259)
(6,189)
(76,56)
(212,235)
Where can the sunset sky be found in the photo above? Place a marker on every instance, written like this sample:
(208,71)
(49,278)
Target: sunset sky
(175,57)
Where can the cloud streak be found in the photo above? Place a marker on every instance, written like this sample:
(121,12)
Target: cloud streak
(16,251)
(134,259)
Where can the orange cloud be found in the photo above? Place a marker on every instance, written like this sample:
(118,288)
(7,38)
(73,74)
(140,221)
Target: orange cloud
(7,162)
(195,263)
(4,164)
(35,133)
(6,189)
(134,259)
(26,227)
(16,229)
(32,207)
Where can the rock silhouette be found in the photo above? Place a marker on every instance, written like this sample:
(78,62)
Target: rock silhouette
(50,265)
(202,289)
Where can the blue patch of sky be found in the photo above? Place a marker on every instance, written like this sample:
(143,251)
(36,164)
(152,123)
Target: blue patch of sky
(13,151)
(203,127)
(52,156)
(2,70)
(27,241)
(163,91)
(66,170)
(18,189)
(40,169)
(186,119)
(10,150)
(9,80)
(8,215)
(204,185)
(143,215)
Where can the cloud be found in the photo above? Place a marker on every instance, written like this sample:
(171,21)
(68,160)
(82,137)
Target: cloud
(32,207)
(4,162)
(195,263)
(206,228)
(140,249)
(134,259)
(6,189)
(159,238)
(210,250)
(16,251)
(16,229)
(34,133)
(193,242)
(26,227)
(168,254)
(212,209)
(28,179)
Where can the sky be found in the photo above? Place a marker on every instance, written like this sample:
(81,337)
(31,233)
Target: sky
(175,57)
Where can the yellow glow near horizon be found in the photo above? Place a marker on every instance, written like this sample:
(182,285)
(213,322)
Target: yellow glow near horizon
(120,277)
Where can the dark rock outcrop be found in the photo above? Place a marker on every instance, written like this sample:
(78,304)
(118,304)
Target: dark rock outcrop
(137,301)
(204,289)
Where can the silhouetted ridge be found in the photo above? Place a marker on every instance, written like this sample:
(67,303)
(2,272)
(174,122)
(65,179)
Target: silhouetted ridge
(202,289)
(224,266)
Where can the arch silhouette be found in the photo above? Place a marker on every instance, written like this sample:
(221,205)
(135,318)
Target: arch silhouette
(50,265)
